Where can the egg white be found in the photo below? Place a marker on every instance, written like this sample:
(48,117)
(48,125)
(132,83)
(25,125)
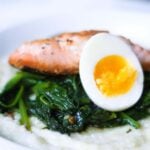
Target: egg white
(97,47)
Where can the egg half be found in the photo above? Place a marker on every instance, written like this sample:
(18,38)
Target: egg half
(110,72)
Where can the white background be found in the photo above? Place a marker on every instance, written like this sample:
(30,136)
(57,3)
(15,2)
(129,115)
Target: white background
(15,11)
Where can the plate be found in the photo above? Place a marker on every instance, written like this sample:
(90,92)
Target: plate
(132,25)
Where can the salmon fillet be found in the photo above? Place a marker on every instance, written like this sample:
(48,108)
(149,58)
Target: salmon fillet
(61,54)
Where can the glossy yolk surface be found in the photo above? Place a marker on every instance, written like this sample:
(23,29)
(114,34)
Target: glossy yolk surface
(114,75)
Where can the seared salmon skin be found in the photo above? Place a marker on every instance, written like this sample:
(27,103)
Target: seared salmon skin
(61,54)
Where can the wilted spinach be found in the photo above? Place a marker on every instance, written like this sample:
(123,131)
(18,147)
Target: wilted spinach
(62,105)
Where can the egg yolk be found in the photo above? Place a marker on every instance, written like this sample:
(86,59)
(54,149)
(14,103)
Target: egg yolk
(114,75)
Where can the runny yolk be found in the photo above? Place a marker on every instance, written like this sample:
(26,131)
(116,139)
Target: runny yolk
(114,75)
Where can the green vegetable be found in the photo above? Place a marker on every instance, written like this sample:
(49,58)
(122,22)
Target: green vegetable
(13,82)
(130,120)
(23,112)
(14,101)
(62,105)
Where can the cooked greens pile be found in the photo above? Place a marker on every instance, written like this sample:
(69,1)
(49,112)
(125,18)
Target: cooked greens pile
(62,105)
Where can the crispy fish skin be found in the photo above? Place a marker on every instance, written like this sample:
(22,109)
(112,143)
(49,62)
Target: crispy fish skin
(56,55)
(61,54)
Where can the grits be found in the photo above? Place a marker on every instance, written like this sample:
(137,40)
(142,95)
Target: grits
(120,138)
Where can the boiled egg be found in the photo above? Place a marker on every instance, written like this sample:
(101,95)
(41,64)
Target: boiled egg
(110,72)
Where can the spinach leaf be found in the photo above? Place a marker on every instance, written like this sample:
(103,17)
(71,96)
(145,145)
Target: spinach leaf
(23,112)
(61,103)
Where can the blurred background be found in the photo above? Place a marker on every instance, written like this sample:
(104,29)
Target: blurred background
(15,11)
(132,17)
